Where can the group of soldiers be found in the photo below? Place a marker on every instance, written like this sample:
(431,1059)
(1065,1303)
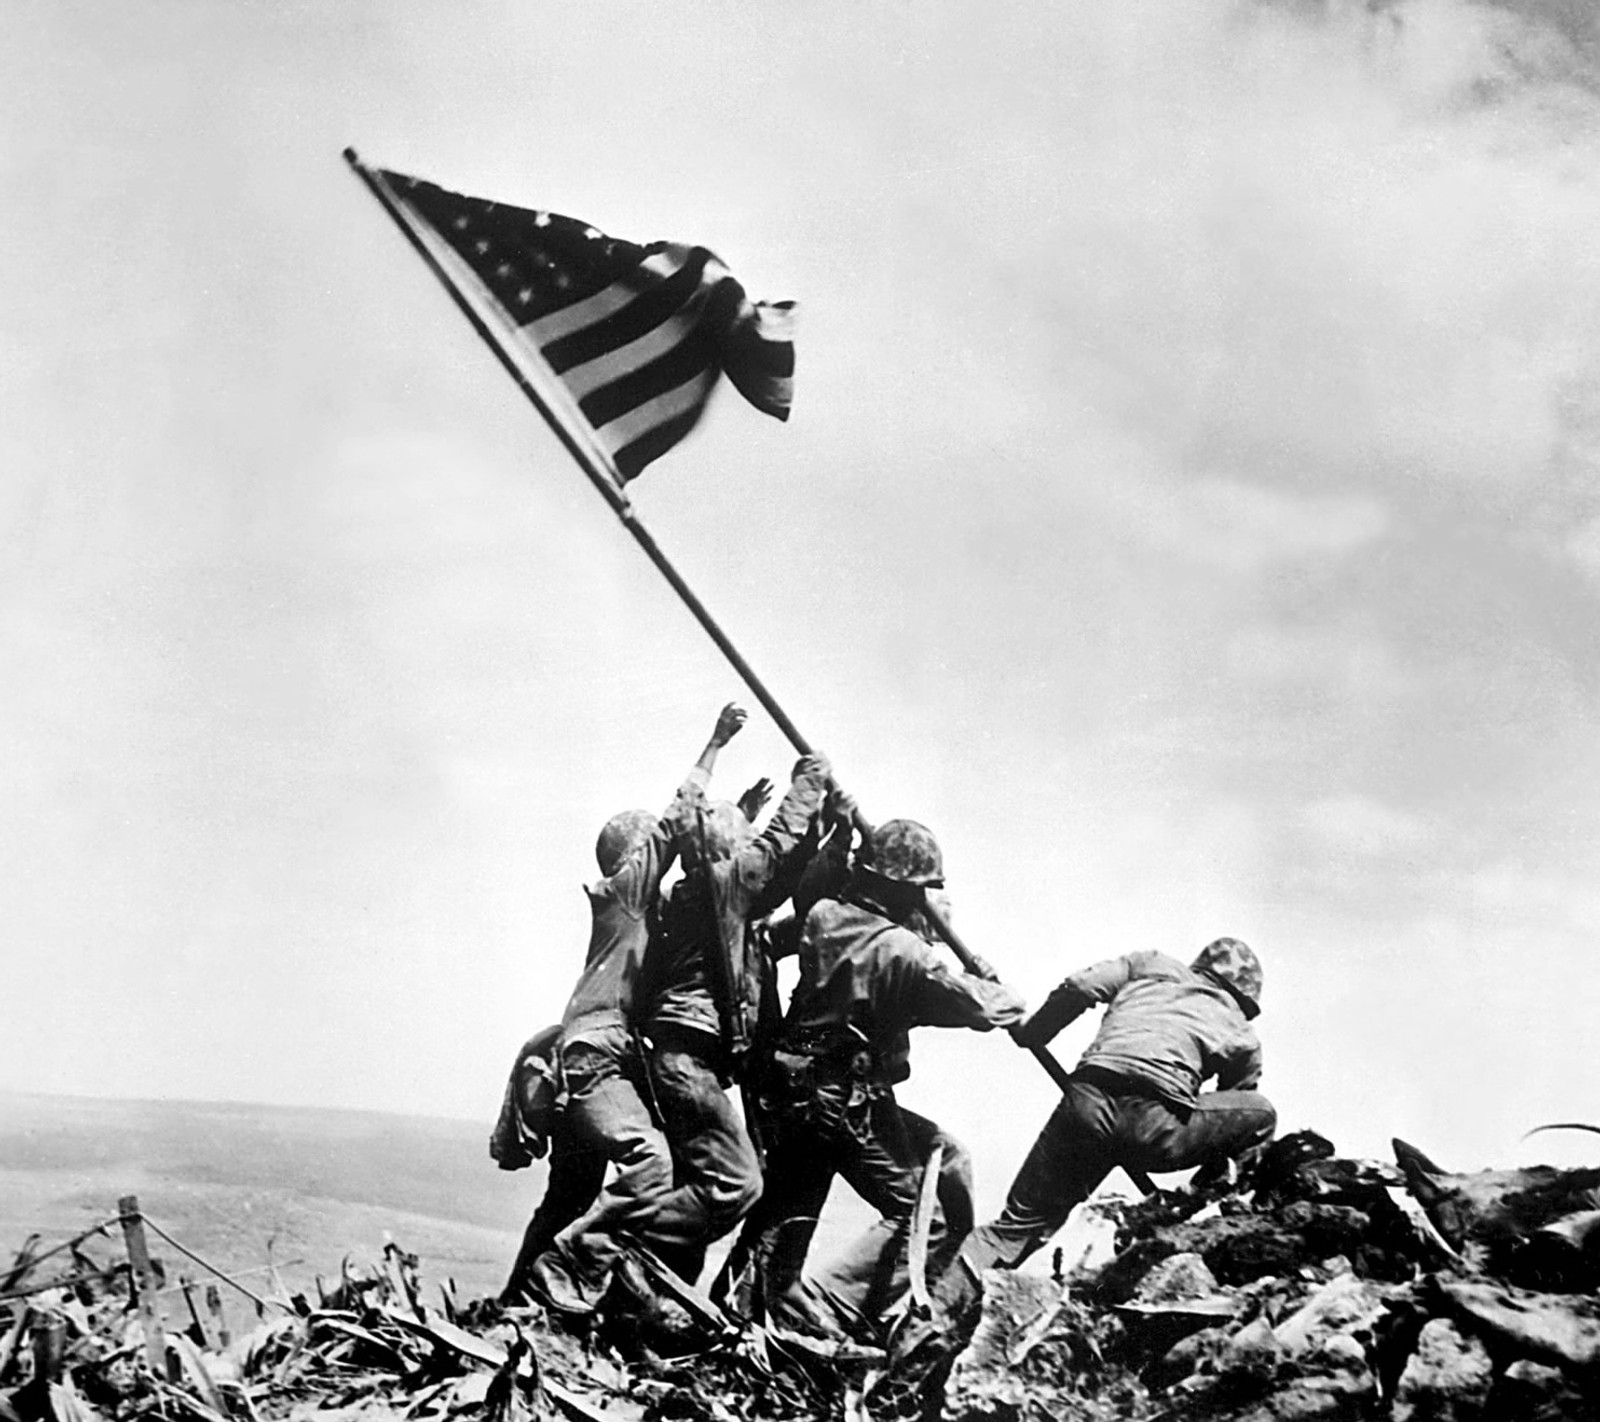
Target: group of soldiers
(677,1003)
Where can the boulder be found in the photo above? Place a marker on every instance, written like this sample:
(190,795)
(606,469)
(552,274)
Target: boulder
(1347,1307)
(1447,1379)
(1559,1328)
(1538,1392)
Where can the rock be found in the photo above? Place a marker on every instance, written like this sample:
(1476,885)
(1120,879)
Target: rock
(1488,1215)
(1088,1242)
(1340,1395)
(1562,1328)
(1198,1353)
(1253,1351)
(1345,1306)
(1339,1352)
(1178,1297)
(1254,1247)
(1177,1277)
(1036,1352)
(1447,1378)
(1537,1392)
(1328,1228)
(1010,1302)
(1561,1257)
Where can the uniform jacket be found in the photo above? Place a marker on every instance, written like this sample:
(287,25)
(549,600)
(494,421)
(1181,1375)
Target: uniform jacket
(622,912)
(1165,1026)
(861,971)
(706,968)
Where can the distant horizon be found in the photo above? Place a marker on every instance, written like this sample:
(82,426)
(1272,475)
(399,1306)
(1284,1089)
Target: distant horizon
(29,1094)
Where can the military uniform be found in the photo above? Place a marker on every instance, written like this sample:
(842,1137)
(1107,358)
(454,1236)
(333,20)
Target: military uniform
(706,976)
(1134,1099)
(865,982)
(607,1105)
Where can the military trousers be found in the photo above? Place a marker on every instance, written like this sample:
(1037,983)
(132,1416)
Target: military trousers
(577,1173)
(880,1150)
(1101,1123)
(718,1173)
(609,1115)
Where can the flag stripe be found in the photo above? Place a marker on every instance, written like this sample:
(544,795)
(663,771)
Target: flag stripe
(591,375)
(691,356)
(648,309)
(668,405)
(683,403)
(580,314)
(632,458)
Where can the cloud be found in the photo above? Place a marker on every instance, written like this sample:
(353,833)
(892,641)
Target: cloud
(1288,251)
(1582,546)
(1248,527)
(1354,824)
(1508,889)
(1340,664)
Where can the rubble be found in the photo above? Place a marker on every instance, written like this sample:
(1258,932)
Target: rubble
(1319,1287)
(1314,1288)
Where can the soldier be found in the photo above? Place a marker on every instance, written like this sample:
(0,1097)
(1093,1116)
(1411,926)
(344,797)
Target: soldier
(867,976)
(706,975)
(1134,1099)
(608,1107)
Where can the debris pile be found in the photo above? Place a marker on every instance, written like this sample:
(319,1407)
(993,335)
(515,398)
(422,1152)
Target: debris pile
(1317,1287)
(370,1346)
(1313,1287)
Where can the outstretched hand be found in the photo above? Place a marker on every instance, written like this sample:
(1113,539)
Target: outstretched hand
(754,800)
(729,721)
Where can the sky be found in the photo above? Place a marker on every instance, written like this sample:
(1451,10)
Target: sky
(1190,512)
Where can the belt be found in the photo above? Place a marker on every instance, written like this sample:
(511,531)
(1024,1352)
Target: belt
(1114,1083)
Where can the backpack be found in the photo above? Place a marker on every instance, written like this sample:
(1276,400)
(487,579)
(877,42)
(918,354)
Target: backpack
(530,1104)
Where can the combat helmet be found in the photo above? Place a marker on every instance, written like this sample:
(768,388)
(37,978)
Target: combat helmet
(907,853)
(622,835)
(1234,966)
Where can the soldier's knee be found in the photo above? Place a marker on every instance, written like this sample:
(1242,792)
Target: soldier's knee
(730,1195)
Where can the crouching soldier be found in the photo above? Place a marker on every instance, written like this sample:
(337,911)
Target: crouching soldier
(1135,1099)
(867,977)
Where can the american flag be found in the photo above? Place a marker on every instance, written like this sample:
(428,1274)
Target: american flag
(634,336)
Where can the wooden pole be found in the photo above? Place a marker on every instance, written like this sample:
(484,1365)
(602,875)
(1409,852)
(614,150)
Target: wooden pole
(197,1325)
(144,1281)
(219,1319)
(22,1265)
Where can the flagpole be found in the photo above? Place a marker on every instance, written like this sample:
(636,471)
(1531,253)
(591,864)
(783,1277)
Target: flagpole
(623,508)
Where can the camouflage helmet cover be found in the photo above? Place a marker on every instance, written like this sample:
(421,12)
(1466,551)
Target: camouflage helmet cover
(622,835)
(1236,967)
(906,852)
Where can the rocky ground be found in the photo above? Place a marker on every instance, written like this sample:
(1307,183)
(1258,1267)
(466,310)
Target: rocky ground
(1314,1287)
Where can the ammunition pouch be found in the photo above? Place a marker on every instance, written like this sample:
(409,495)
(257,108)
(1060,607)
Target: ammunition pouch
(791,1081)
(534,1098)
(820,1077)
